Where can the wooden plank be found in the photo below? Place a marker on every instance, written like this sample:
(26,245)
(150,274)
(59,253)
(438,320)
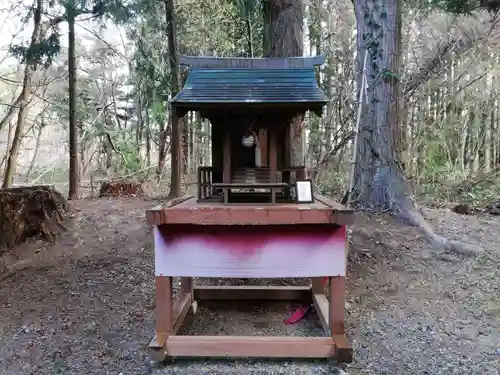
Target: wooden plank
(318,285)
(250,346)
(181,309)
(187,285)
(200,182)
(155,215)
(226,158)
(251,63)
(321,305)
(240,253)
(164,308)
(340,214)
(263,148)
(261,214)
(250,185)
(283,293)
(273,155)
(337,305)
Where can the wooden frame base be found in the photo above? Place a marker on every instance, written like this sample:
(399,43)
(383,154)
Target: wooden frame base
(170,316)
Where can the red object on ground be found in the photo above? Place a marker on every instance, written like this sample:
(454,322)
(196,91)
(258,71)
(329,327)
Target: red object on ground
(302,311)
(298,315)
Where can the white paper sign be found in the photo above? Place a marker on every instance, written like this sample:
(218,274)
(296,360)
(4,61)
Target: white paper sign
(304,191)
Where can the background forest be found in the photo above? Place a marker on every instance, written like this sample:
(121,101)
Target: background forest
(114,55)
(84,92)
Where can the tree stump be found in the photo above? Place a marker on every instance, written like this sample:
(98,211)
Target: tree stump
(120,188)
(29,211)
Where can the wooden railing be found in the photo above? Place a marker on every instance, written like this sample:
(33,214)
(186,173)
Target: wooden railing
(246,176)
(205,180)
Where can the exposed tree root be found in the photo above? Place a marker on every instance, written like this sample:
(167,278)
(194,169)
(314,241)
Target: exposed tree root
(30,211)
(440,243)
(403,204)
(392,193)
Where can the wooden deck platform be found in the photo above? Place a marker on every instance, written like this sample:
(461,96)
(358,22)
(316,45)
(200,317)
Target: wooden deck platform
(187,210)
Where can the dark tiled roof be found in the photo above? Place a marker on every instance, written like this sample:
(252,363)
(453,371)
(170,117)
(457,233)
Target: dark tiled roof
(240,86)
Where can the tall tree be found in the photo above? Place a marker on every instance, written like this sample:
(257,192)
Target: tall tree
(74,173)
(175,122)
(283,27)
(38,48)
(379,181)
(97,9)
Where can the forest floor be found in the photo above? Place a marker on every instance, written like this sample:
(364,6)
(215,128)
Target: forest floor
(85,305)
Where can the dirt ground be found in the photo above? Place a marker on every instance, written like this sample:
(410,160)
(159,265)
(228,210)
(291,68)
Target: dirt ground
(85,305)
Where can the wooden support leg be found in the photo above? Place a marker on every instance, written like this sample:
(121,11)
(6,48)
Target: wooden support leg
(187,285)
(320,302)
(187,288)
(318,285)
(226,195)
(273,195)
(164,317)
(336,318)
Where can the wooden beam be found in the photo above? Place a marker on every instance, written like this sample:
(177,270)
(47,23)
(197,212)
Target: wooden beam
(164,317)
(263,147)
(251,63)
(164,310)
(155,215)
(226,157)
(246,292)
(273,154)
(321,305)
(250,346)
(342,215)
(181,309)
(337,305)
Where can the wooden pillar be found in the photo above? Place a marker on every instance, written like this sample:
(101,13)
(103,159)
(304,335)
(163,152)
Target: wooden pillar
(164,310)
(337,305)
(176,152)
(273,154)
(226,159)
(337,318)
(263,147)
(187,285)
(318,285)
(287,146)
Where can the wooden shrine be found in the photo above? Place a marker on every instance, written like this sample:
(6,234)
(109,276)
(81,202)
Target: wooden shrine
(247,220)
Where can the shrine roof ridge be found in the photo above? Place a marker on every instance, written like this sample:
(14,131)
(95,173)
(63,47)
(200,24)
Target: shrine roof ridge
(251,62)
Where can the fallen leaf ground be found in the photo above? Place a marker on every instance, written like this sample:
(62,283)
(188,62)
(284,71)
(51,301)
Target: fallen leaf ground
(85,305)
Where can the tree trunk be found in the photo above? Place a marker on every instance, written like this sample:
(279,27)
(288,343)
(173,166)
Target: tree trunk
(248,26)
(379,180)
(11,112)
(162,139)
(316,134)
(37,147)
(285,36)
(7,146)
(175,121)
(74,178)
(30,67)
(148,138)
(139,131)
